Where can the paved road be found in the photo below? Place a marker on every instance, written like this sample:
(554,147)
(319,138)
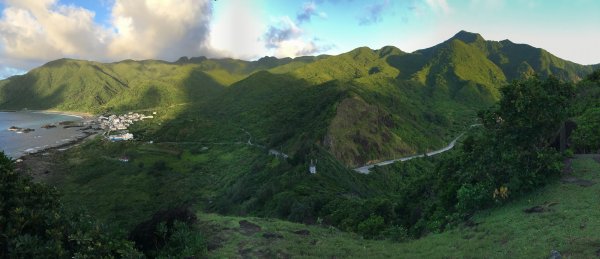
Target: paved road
(365,169)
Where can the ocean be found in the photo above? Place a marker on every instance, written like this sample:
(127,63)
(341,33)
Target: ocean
(17,144)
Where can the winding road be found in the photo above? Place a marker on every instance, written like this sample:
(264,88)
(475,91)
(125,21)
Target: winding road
(365,169)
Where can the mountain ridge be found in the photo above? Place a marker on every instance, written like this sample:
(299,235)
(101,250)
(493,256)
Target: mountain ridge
(412,102)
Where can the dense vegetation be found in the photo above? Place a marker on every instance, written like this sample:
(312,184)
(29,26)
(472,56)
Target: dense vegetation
(207,149)
(34,223)
(506,157)
(586,111)
(362,106)
(566,222)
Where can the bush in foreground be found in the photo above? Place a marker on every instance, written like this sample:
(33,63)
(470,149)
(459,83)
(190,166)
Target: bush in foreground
(34,224)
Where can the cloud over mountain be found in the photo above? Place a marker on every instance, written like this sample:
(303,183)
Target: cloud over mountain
(33,31)
(287,37)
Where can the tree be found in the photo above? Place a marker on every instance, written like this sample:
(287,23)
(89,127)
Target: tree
(34,224)
(512,151)
(531,111)
(587,135)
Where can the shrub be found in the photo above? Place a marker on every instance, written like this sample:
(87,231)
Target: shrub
(153,234)
(184,242)
(472,197)
(586,137)
(371,227)
(34,224)
(396,233)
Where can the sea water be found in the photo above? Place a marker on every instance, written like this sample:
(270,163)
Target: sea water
(17,144)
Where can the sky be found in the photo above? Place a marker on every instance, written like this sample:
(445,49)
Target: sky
(33,32)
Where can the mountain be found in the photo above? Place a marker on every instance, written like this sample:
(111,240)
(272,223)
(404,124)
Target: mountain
(361,106)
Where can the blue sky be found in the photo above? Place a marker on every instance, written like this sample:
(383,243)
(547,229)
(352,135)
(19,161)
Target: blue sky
(33,32)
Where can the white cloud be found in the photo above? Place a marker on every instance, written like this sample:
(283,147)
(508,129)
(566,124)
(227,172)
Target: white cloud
(164,29)
(294,48)
(287,39)
(36,31)
(31,30)
(239,37)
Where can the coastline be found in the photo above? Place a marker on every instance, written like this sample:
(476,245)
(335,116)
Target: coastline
(59,147)
(39,164)
(80,115)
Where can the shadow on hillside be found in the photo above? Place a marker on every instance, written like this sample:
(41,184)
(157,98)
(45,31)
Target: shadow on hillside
(17,97)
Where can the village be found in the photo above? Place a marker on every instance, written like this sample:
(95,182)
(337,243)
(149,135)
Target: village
(119,124)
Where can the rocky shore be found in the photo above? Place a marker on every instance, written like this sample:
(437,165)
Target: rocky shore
(39,164)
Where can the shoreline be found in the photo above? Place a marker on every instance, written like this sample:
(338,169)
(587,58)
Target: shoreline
(80,115)
(58,147)
(76,138)
(40,165)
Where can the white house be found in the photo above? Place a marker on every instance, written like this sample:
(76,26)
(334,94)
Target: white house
(126,136)
(313,167)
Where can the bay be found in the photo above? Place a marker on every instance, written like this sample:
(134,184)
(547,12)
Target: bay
(17,144)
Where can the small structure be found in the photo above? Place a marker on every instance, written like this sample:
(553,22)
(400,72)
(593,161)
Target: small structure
(313,167)
(278,154)
(126,136)
(124,159)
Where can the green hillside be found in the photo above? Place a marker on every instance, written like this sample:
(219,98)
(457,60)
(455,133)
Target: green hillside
(465,67)
(75,85)
(217,149)
(567,223)
(362,106)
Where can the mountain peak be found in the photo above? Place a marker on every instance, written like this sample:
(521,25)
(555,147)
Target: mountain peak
(389,50)
(467,37)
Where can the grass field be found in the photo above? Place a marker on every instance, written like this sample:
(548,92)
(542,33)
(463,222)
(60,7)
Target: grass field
(569,224)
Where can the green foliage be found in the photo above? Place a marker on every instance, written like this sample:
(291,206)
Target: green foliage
(184,242)
(472,197)
(371,227)
(502,232)
(594,76)
(585,109)
(34,224)
(513,150)
(530,111)
(502,160)
(356,107)
(587,135)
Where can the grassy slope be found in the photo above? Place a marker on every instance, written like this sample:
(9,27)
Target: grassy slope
(228,176)
(75,85)
(570,226)
(127,193)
